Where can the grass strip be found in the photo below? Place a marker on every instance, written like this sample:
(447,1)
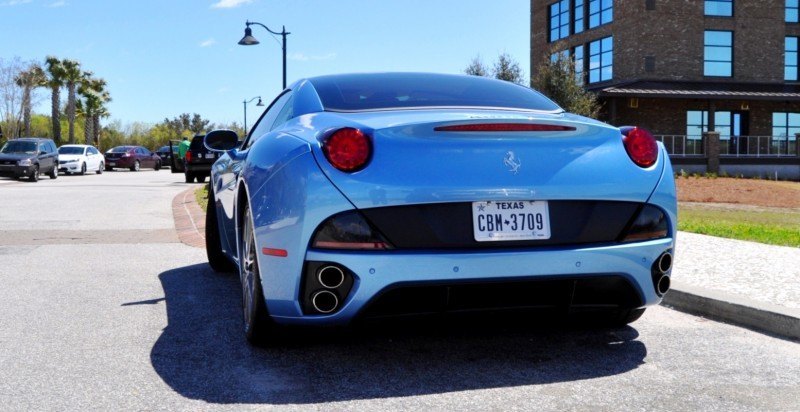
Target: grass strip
(201,195)
(769,227)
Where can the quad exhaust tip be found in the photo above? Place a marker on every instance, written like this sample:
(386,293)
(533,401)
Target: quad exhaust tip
(664,263)
(663,285)
(330,277)
(325,301)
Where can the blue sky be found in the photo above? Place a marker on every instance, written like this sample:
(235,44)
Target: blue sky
(166,57)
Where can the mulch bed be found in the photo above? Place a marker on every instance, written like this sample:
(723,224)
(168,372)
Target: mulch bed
(740,191)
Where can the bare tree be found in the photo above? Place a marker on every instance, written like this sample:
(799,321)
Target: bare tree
(476,68)
(11,97)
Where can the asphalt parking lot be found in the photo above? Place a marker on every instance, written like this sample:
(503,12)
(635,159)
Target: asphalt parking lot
(103,308)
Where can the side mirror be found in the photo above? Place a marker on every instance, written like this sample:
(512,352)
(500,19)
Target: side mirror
(221,140)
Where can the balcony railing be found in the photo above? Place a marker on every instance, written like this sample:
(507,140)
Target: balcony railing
(731,146)
(682,145)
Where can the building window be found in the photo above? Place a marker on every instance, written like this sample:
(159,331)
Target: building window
(697,123)
(792,11)
(579,56)
(790,59)
(600,12)
(559,20)
(578,15)
(601,60)
(784,129)
(719,8)
(718,53)
(562,55)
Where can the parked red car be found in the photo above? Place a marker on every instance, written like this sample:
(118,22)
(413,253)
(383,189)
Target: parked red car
(131,157)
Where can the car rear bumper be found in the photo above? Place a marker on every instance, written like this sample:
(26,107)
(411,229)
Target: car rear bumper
(122,162)
(598,273)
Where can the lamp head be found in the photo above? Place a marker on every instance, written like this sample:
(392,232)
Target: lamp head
(248,39)
(259,102)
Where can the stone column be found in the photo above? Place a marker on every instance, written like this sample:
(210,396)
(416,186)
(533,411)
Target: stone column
(797,144)
(711,147)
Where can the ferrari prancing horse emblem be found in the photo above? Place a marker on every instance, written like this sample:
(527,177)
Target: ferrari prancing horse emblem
(512,162)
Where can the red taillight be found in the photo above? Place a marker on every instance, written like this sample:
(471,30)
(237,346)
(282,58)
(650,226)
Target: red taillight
(188,156)
(504,127)
(347,149)
(640,145)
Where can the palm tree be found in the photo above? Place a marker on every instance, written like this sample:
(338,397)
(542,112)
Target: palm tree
(55,80)
(28,80)
(93,106)
(72,78)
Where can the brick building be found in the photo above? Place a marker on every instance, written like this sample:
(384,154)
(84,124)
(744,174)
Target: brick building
(684,67)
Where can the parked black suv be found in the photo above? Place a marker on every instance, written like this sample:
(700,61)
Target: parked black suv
(29,157)
(197,163)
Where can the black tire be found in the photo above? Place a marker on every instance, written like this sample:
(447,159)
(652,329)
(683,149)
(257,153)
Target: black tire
(200,179)
(189,177)
(258,327)
(109,168)
(216,259)
(83,169)
(34,177)
(53,172)
(136,166)
(99,170)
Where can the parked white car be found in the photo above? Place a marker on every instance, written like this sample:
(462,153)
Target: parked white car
(78,158)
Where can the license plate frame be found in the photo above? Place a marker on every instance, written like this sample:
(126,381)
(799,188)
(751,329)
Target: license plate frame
(498,221)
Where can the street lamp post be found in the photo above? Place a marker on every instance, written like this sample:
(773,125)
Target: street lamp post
(249,40)
(245,102)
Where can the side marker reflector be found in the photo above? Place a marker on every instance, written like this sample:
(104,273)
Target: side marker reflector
(274,252)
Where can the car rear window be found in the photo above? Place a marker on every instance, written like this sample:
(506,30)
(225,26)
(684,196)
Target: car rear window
(197,144)
(376,91)
(120,149)
(70,150)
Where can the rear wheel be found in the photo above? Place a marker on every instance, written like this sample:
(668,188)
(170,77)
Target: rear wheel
(216,258)
(257,324)
(99,170)
(200,179)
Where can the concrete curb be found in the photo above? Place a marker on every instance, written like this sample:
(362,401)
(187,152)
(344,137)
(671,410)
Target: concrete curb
(760,316)
(190,220)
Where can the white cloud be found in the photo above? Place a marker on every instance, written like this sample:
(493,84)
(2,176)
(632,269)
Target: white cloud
(59,3)
(16,2)
(207,43)
(305,57)
(229,4)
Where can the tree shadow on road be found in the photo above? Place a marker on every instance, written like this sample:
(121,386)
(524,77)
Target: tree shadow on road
(202,353)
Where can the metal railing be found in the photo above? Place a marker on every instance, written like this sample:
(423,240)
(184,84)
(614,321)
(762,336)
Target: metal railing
(757,146)
(682,145)
(731,146)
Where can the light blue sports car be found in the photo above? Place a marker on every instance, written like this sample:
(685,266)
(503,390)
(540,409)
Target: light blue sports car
(362,196)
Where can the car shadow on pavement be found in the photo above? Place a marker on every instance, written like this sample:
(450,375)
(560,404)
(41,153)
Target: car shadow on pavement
(202,353)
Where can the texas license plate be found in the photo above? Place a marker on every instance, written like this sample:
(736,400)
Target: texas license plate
(523,220)
(209,155)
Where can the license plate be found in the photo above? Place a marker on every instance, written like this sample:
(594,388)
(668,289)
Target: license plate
(524,220)
(209,155)
(112,164)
